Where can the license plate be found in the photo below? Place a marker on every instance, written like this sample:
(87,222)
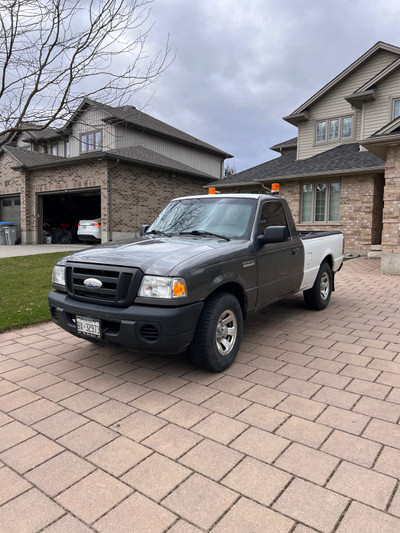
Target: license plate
(90,327)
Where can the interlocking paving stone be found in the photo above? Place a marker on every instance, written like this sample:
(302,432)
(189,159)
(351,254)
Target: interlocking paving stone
(257,480)
(299,435)
(200,500)
(156,476)
(313,505)
(136,513)
(247,515)
(93,496)
(362,485)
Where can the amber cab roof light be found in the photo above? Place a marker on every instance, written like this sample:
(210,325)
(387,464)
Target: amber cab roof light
(275,188)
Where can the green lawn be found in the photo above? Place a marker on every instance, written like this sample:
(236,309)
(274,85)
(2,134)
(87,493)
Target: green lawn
(25,283)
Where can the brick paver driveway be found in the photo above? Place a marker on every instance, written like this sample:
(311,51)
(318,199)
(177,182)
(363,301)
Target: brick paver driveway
(301,434)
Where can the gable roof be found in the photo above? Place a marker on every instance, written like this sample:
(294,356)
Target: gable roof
(262,172)
(379,142)
(343,159)
(291,143)
(300,113)
(138,155)
(134,118)
(27,158)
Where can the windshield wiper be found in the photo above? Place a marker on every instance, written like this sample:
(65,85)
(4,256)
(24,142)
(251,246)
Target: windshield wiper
(204,233)
(158,232)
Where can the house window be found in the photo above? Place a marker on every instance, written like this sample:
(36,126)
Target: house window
(321,130)
(54,149)
(347,126)
(320,202)
(334,129)
(66,149)
(91,141)
(396,108)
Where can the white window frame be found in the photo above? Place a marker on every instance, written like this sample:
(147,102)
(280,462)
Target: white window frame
(394,101)
(91,141)
(313,185)
(340,136)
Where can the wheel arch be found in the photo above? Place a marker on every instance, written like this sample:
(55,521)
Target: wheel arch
(236,290)
(329,261)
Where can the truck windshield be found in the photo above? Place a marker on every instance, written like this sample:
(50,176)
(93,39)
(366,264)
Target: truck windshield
(226,217)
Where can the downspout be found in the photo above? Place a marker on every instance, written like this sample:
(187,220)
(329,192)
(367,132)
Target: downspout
(110,210)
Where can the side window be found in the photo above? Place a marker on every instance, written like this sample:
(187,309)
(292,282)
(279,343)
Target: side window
(272,214)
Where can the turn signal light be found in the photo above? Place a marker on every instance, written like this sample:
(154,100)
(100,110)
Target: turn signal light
(178,288)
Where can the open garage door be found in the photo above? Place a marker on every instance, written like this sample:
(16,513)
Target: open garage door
(61,212)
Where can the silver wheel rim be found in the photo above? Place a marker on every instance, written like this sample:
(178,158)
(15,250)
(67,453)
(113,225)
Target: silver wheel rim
(226,332)
(324,286)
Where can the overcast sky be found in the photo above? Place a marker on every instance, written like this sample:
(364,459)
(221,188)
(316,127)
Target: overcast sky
(241,66)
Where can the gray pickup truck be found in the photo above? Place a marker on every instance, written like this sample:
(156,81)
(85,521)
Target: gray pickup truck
(193,276)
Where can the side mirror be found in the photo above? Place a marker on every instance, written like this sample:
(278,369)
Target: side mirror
(143,229)
(274,234)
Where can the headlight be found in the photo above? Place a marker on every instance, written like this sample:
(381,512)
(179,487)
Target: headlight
(58,277)
(160,287)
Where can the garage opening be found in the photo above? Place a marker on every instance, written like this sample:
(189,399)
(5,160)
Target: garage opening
(61,212)
(10,211)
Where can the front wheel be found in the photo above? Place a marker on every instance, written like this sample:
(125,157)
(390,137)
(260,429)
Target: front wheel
(218,334)
(320,293)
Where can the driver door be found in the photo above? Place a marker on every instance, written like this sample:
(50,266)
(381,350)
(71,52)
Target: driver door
(280,265)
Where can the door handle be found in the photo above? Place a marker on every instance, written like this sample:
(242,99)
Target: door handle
(294,251)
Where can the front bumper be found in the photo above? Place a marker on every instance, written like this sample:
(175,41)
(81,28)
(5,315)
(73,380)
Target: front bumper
(164,330)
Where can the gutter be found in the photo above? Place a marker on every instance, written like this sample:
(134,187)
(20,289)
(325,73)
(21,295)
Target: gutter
(322,174)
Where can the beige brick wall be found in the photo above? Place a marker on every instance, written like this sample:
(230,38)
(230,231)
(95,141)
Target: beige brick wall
(70,178)
(139,194)
(391,212)
(12,182)
(360,208)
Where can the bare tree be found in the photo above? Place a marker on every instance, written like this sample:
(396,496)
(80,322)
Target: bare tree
(229,170)
(55,52)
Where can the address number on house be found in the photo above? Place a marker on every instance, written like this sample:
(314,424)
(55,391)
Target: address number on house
(89,327)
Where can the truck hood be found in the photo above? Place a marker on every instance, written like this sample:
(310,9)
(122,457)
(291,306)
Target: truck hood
(158,256)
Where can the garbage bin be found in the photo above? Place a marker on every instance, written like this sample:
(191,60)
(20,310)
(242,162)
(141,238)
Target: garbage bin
(3,226)
(10,232)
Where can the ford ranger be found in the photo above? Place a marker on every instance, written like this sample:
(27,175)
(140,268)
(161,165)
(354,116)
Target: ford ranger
(193,276)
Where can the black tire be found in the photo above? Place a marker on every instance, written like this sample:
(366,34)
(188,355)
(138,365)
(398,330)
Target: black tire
(218,334)
(320,293)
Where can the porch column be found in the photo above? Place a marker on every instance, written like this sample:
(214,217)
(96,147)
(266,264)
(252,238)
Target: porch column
(391,213)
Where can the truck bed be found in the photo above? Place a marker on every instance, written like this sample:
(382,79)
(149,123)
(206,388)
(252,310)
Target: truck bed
(314,234)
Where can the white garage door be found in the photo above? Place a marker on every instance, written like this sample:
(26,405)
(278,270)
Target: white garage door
(10,210)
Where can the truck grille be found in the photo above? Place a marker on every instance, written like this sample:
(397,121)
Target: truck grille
(119,285)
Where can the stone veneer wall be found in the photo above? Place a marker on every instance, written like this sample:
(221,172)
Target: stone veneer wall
(391,213)
(360,209)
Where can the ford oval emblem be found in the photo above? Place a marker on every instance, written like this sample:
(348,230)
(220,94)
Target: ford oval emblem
(92,283)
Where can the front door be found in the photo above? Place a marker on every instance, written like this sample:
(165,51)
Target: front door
(280,265)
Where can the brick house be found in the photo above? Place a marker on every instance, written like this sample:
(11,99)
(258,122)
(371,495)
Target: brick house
(342,170)
(116,163)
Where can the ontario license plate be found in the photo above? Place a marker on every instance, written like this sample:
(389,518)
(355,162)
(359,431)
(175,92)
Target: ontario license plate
(90,327)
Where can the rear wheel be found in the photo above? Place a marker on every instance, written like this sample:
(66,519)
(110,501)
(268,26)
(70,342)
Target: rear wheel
(320,293)
(218,334)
